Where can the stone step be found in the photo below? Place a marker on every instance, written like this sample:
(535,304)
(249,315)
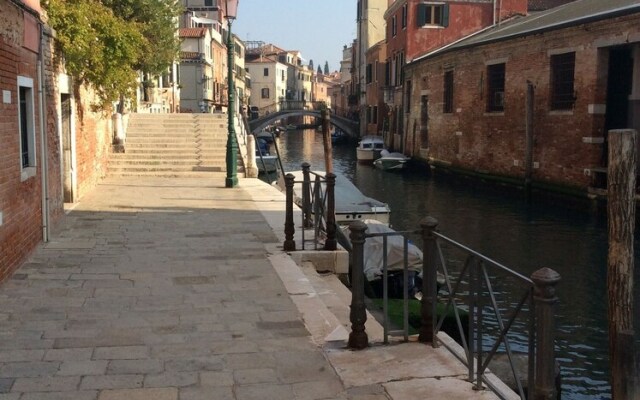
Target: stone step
(167,161)
(165,169)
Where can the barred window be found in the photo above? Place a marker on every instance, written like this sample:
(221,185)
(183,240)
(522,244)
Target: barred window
(448,92)
(495,87)
(562,78)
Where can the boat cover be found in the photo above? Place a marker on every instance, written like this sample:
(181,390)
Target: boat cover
(374,247)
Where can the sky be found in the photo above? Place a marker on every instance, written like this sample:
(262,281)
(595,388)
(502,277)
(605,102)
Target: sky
(317,28)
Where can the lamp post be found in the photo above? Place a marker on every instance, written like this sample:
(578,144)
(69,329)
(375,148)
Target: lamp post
(231,10)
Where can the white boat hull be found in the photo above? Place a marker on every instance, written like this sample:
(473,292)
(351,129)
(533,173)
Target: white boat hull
(267,163)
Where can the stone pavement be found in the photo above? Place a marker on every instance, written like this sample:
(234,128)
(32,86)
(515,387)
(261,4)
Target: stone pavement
(178,289)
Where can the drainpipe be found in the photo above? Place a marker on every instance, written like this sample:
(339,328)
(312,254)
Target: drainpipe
(43,140)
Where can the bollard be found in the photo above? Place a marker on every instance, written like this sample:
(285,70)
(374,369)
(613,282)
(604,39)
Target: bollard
(289,227)
(429,276)
(358,316)
(306,195)
(331,243)
(545,300)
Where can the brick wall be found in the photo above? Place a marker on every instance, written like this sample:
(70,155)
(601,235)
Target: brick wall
(20,201)
(494,143)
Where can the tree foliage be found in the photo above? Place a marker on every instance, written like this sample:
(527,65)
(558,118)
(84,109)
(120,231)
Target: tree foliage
(319,70)
(106,42)
(311,65)
(326,67)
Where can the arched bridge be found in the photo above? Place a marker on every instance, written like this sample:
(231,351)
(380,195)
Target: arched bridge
(296,108)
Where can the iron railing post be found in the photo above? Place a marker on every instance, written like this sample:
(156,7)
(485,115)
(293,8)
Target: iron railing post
(545,299)
(358,316)
(306,195)
(331,243)
(289,227)
(429,276)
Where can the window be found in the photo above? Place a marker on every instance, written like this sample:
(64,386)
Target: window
(562,75)
(375,71)
(26,116)
(407,103)
(374,115)
(448,92)
(369,73)
(387,72)
(265,93)
(283,76)
(433,14)
(266,72)
(404,16)
(394,26)
(208,3)
(495,87)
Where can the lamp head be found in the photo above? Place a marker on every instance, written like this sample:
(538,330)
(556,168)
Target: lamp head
(231,9)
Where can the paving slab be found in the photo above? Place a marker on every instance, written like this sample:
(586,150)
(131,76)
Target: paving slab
(178,289)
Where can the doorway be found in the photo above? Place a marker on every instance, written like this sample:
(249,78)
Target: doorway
(67,149)
(619,84)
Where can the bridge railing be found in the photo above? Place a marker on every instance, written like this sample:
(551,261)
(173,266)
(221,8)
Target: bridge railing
(505,312)
(293,105)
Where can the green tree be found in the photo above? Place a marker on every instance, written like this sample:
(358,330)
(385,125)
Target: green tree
(106,42)
(156,21)
(319,70)
(311,65)
(326,67)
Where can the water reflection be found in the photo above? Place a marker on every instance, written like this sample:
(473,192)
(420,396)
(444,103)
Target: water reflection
(555,233)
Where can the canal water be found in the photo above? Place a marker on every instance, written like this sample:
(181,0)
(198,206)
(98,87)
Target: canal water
(564,234)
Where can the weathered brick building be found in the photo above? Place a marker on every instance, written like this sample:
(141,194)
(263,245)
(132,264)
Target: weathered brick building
(54,148)
(468,101)
(30,190)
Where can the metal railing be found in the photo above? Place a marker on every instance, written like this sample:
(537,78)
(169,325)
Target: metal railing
(316,199)
(506,310)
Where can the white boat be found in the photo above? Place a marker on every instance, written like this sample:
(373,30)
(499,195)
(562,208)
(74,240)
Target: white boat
(264,160)
(391,161)
(350,203)
(266,163)
(369,148)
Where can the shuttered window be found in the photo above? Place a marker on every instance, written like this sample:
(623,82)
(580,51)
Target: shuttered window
(432,14)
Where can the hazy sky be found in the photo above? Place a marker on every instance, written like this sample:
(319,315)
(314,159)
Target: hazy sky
(317,28)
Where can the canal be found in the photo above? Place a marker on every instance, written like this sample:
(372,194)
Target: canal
(567,235)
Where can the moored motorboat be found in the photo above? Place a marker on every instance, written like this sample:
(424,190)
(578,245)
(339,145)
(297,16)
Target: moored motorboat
(264,160)
(265,135)
(350,203)
(369,148)
(338,136)
(391,161)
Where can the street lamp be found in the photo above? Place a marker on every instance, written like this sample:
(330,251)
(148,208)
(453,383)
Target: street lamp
(230,12)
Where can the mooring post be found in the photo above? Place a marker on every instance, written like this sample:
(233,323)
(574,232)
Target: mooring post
(545,300)
(429,277)
(621,213)
(306,195)
(358,316)
(326,140)
(331,243)
(289,227)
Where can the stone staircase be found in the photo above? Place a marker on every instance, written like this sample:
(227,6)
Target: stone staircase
(172,145)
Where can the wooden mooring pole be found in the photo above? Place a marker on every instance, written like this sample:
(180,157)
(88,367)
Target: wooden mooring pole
(528,154)
(326,140)
(621,207)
